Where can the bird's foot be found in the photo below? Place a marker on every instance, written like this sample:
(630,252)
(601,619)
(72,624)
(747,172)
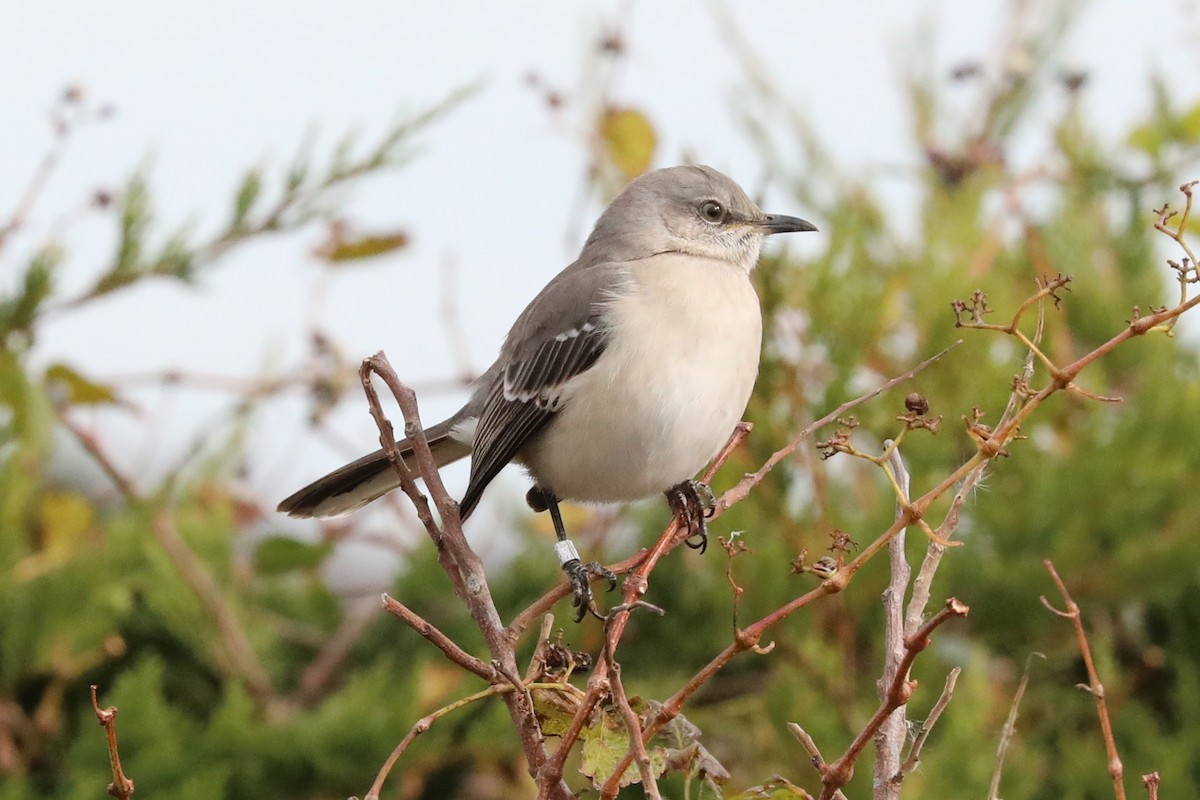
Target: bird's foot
(692,503)
(580,575)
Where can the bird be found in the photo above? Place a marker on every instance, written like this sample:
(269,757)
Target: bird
(622,378)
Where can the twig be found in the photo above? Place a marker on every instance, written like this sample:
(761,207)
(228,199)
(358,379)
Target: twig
(1115,769)
(1151,782)
(814,753)
(122,785)
(460,561)
(441,641)
(426,722)
(914,754)
(1009,729)
(633,725)
(838,773)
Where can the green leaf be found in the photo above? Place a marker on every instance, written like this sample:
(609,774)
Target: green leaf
(629,140)
(605,743)
(78,389)
(283,554)
(247,195)
(18,313)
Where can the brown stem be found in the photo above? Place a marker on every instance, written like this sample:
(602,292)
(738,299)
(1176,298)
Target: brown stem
(1115,769)
(1009,729)
(838,773)
(432,634)
(459,560)
(121,786)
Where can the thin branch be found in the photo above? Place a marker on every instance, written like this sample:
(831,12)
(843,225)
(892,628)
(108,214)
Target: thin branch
(914,754)
(633,725)
(460,561)
(1151,781)
(1009,729)
(441,641)
(838,773)
(1115,769)
(426,722)
(121,786)
(814,753)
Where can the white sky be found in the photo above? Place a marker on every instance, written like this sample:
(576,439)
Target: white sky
(208,89)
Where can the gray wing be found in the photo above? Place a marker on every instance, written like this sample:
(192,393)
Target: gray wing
(559,336)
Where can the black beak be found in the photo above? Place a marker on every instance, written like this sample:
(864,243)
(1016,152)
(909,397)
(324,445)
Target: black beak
(781,223)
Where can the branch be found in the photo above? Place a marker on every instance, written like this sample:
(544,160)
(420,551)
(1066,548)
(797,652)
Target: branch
(1010,728)
(460,562)
(441,641)
(894,731)
(838,773)
(121,786)
(1115,769)
(914,754)
(426,722)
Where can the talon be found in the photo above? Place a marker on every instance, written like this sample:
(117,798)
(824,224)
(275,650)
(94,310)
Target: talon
(692,503)
(580,577)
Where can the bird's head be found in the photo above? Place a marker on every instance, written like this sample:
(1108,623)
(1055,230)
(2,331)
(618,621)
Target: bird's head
(693,210)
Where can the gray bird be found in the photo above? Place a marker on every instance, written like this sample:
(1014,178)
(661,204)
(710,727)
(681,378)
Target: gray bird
(623,377)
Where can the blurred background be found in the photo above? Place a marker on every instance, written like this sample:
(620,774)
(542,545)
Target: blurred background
(209,215)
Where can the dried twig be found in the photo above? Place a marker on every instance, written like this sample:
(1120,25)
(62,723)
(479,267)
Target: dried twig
(122,785)
(1010,728)
(459,560)
(838,774)
(914,754)
(1115,769)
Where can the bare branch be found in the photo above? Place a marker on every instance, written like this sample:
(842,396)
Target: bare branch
(1115,769)
(1010,728)
(121,786)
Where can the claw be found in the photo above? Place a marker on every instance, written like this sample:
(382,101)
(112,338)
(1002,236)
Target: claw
(692,503)
(580,575)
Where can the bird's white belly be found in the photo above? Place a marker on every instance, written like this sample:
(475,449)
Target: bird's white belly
(655,409)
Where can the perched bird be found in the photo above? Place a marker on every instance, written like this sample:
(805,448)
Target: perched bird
(623,377)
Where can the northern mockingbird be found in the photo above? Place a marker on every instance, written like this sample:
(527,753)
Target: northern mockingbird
(623,377)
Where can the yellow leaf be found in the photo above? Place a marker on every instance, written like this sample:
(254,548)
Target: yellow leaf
(629,140)
(341,245)
(77,389)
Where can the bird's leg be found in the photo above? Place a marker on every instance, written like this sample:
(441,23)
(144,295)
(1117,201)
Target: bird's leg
(579,574)
(692,503)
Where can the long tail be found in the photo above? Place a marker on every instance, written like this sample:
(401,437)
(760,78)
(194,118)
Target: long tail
(370,477)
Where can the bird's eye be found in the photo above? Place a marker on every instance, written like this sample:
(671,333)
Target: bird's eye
(712,211)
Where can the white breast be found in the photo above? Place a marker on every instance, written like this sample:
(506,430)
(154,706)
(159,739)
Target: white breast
(667,391)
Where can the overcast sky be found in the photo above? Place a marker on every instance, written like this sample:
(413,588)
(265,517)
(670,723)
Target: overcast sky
(204,90)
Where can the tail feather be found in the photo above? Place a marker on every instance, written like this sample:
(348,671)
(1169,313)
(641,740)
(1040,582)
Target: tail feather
(368,478)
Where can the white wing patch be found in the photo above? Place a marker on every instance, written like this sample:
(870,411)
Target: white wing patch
(540,380)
